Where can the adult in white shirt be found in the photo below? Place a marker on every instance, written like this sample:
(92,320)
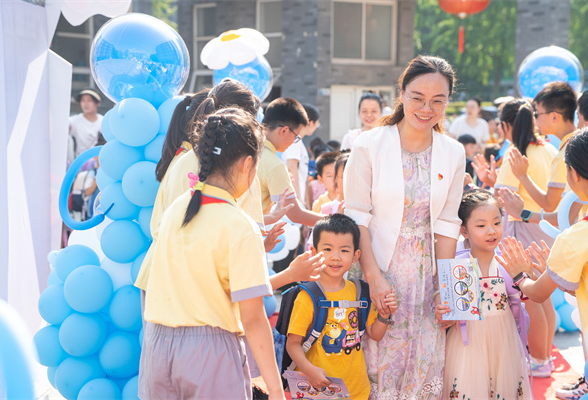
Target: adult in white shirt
(472,124)
(296,156)
(85,128)
(370,111)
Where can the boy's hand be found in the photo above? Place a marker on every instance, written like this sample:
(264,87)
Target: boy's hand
(271,237)
(317,377)
(390,301)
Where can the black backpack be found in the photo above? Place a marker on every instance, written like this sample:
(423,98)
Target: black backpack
(363,304)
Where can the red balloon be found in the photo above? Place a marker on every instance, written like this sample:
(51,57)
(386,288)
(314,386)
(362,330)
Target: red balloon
(463,8)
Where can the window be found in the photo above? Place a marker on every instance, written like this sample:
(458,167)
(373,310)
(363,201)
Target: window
(269,22)
(364,30)
(204,30)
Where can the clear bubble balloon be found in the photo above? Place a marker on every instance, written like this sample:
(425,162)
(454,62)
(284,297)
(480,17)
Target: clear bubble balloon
(256,75)
(549,64)
(136,55)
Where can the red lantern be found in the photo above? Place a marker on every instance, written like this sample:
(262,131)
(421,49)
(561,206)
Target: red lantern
(463,9)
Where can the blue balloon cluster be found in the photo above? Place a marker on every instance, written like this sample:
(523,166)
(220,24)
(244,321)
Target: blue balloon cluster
(136,55)
(256,75)
(549,64)
(563,311)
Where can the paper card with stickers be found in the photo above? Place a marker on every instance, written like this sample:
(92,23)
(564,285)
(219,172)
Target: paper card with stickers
(300,388)
(459,288)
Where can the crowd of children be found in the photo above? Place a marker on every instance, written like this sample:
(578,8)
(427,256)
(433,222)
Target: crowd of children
(392,205)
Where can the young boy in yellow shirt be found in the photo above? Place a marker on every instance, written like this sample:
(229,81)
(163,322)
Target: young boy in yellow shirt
(337,351)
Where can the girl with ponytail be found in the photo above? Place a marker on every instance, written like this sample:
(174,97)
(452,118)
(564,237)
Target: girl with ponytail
(209,276)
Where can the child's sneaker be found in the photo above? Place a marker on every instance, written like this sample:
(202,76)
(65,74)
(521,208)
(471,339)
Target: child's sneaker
(540,369)
(572,391)
(551,363)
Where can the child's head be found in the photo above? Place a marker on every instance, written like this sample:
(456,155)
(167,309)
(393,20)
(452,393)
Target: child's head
(325,169)
(335,144)
(555,106)
(228,146)
(481,219)
(577,162)
(469,144)
(283,122)
(313,120)
(491,150)
(339,170)
(337,237)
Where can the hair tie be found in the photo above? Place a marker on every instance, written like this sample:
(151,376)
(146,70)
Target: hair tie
(195,183)
(214,99)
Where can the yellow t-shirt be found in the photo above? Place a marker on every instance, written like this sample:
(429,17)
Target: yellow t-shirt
(338,348)
(273,177)
(318,203)
(202,270)
(558,175)
(540,158)
(567,266)
(160,204)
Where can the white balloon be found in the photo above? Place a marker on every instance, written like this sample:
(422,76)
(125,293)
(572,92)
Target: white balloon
(571,299)
(119,273)
(576,318)
(237,47)
(292,235)
(52,256)
(87,238)
(78,11)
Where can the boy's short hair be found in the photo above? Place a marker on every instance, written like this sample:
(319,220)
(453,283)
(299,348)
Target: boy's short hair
(311,112)
(284,111)
(491,150)
(336,145)
(325,159)
(466,139)
(339,224)
(558,96)
(583,105)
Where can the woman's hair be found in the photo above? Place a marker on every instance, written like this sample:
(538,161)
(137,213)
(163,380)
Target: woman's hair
(518,113)
(477,100)
(370,96)
(577,153)
(225,137)
(472,199)
(421,65)
(178,131)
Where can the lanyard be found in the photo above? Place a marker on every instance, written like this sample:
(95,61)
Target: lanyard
(212,200)
(180,150)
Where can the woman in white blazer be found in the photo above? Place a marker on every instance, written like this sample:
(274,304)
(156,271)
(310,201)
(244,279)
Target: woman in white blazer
(403,186)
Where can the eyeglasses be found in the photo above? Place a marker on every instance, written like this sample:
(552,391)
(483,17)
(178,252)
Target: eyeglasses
(297,136)
(419,102)
(536,114)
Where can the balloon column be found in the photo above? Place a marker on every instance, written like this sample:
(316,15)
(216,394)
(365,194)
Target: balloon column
(92,345)
(239,54)
(549,64)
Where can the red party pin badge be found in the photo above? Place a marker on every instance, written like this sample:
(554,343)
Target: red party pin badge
(440,177)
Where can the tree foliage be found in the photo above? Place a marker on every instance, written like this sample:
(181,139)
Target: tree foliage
(578,32)
(165,10)
(489,56)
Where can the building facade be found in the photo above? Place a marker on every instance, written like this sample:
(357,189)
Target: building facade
(323,52)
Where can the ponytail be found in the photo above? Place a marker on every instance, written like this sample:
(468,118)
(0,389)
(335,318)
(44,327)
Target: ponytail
(523,129)
(577,153)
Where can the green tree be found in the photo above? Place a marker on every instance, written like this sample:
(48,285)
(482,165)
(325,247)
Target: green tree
(489,56)
(578,32)
(165,10)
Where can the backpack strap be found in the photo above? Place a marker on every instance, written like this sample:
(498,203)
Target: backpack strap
(317,294)
(365,303)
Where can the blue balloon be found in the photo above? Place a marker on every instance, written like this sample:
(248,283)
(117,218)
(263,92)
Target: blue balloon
(53,278)
(554,140)
(125,309)
(557,298)
(154,149)
(122,241)
(81,335)
(165,111)
(115,158)
(140,184)
(52,305)
(131,390)
(120,354)
(546,65)
(51,375)
(73,373)
(563,212)
(103,180)
(135,123)
(141,336)
(100,389)
(557,321)
(88,289)
(256,75)
(106,131)
(270,304)
(136,55)
(586,370)
(145,221)
(114,198)
(136,267)
(565,313)
(72,257)
(49,350)
(584,397)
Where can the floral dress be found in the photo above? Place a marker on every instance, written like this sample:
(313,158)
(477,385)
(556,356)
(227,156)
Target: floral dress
(493,364)
(408,362)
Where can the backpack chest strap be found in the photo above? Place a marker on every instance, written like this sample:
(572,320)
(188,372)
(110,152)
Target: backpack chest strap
(343,304)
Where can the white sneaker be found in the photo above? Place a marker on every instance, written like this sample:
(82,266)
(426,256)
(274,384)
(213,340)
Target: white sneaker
(572,391)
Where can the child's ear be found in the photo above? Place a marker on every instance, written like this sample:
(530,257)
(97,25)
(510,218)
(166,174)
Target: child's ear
(356,255)
(313,251)
(320,179)
(463,231)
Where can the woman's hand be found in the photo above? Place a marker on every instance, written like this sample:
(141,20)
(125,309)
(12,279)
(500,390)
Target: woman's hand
(379,289)
(515,259)
(540,254)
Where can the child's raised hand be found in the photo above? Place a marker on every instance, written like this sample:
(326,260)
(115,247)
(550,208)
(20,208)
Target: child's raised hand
(341,208)
(306,268)
(317,377)
(390,301)
(271,237)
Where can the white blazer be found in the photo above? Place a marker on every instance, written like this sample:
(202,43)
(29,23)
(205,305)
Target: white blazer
(374,187)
